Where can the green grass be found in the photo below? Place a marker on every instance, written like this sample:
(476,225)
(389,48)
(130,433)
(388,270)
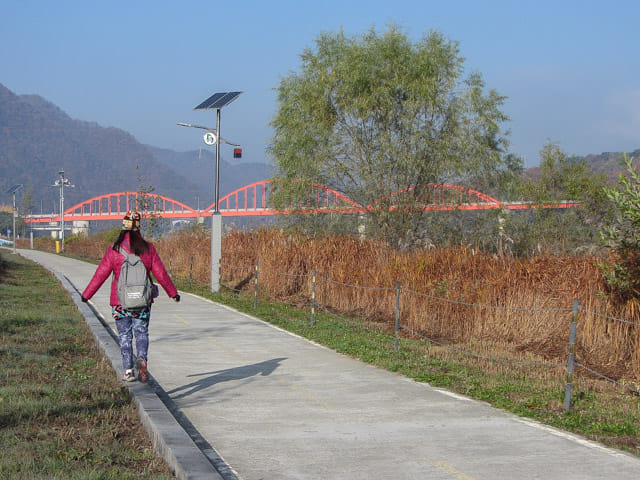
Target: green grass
(63,413)
(600,410)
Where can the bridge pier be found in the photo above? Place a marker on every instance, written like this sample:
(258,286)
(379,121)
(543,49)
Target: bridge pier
(76,227)
(80,227)
(362,228)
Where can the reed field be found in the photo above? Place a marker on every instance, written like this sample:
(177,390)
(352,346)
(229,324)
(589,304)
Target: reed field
(522,308)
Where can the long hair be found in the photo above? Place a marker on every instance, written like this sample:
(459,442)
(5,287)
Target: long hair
(138,244)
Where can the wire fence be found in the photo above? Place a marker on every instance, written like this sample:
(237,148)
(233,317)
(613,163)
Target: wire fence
(394,298)
(252,274)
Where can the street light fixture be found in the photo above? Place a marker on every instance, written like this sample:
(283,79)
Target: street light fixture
(62,182)
(13,191)
(215,102)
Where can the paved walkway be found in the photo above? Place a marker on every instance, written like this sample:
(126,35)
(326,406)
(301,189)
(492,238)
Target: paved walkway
(266,404)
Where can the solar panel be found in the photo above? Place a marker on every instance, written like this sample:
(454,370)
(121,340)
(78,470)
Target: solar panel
(218,100)
(14,189)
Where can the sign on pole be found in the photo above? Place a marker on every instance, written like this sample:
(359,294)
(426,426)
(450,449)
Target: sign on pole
(209,138)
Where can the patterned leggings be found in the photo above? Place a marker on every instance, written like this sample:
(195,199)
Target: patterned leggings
(129,322)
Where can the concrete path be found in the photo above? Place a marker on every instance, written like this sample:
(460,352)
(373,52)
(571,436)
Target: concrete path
(266,404)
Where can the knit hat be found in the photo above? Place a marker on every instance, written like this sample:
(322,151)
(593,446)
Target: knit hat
(131,221)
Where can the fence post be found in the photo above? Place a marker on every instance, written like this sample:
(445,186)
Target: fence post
(190,272)
(255,286)
(572,356)
(313,298)
(395,344)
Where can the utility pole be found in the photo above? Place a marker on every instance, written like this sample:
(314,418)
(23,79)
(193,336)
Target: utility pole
(13,191)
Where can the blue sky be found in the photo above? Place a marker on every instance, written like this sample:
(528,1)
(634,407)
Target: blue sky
(570,69)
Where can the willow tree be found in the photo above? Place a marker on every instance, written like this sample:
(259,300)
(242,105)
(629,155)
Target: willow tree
(622,235)
(375,114)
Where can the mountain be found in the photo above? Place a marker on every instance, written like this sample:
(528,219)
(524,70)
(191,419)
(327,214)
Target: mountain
(608,163)
(38,139)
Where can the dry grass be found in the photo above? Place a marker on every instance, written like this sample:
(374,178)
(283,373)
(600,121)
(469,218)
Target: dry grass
(524,304)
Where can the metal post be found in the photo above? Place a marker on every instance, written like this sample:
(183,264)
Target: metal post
(216,220)
(395,346)
(216,250)
(572,356)
(313,297)
(255,286)
(217,209)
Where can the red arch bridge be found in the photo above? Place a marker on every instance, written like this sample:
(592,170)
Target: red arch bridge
(252,200)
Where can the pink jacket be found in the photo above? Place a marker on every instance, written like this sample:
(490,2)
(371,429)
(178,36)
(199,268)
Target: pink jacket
(112,262)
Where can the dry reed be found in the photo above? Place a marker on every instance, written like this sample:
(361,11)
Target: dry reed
(451,295)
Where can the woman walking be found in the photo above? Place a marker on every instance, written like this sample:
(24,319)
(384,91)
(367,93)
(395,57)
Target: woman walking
(131,321)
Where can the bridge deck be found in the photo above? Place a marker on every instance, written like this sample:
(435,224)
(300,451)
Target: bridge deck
(252,200)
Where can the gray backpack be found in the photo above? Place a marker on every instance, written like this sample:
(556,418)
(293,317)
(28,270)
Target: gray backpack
(135,289)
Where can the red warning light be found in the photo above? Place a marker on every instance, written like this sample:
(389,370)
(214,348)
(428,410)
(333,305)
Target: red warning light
(237,153)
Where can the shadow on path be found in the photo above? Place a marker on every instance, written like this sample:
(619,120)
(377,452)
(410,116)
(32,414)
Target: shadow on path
(237,373)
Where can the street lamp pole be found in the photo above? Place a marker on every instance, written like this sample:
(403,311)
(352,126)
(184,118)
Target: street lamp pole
(217,209)
(216,221)
(62,182)
(215,102)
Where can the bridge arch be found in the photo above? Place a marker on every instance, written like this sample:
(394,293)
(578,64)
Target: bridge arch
(113,206)
(253,200)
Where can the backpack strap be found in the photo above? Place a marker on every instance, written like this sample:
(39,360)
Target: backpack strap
(126,254)
(127,248)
